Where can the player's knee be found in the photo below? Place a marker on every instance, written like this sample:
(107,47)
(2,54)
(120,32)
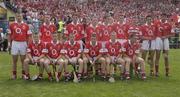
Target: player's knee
(26,61)
(80,61)
(141,60)
(108,60)
(102,60)
(85,60)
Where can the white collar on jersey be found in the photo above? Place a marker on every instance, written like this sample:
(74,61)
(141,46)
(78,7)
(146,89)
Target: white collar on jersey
(49,23)
(20,23)
(70,42)
(91,43)
(38,42)
(55,43)
(111,41)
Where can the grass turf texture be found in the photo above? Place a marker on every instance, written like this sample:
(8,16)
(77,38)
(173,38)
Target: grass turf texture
(153,87)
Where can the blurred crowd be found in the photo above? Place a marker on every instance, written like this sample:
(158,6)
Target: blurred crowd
(94,10)
(89,11)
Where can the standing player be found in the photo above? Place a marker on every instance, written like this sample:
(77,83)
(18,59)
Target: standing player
(74,54)
(162,43)
(18,37)
(35,55)
(131,56)
(114,54)
(121,29)
(46,30)
(148,43)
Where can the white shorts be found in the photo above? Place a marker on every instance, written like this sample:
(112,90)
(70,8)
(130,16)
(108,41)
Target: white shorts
(145,45)
(122,41)
(18,48)
(159,44)
(35,58)
(153,44)
(148,45)
(166,44)
(113,59)
(73,60)
(162,44)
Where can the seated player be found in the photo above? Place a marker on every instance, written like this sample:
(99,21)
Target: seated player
(114,54)
(131,51)
(35,55)
(54,57)
(92,52)
(74,54)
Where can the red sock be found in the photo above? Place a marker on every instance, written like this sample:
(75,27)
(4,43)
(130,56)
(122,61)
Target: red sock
(136,67)
(23,72)
(40,75)
(14,72)
(59,74)
(28,75)
(49,74)
(167,70)
(157,68)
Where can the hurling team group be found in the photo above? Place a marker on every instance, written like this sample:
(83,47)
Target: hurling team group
(102,48)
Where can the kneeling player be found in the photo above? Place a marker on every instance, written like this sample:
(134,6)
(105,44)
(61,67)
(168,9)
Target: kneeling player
(114,54)
(131,51)
(35,55)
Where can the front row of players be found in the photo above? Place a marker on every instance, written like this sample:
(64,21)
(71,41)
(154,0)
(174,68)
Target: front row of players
(105,58)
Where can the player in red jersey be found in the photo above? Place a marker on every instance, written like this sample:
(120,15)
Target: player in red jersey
(103,30)
(74,54)
(46,30)
(93,53)
(54,57)
(114,55)
(35,55)
(148,43)
(91,28)
(121,29)
(18,37)
(131,55)
(77,29)
(163,33)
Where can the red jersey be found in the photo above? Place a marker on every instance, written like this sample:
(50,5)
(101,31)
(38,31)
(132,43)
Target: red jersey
(36,50)
(72,50)
(80,34)
(131,49)
(103,32)
(19,31)
(46,32)
(53,50)
(114,49)
(70,28)
(93,51)
(166,29)
(76,29)
(135,29)
(121,30)
(148,31)
(89,30)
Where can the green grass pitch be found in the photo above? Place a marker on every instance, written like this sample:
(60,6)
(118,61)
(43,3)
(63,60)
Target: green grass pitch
(153,87)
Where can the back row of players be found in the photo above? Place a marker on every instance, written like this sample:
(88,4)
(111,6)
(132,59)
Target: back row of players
(104,45)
